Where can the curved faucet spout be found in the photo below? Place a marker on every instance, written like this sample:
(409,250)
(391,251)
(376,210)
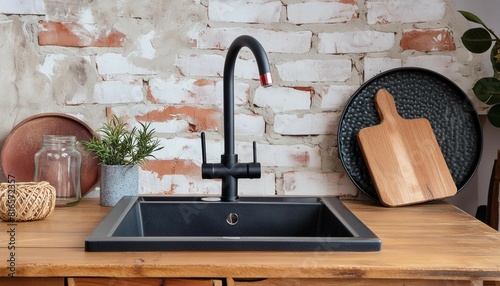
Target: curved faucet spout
(265,80)
(229,170)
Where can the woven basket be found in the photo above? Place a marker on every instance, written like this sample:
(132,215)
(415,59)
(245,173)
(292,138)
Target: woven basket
(26,201)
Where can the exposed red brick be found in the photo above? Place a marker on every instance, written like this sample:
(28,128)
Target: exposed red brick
(428,40)
(304,88)
(70,34)
(149,94)
(198,118)
(193,43)
(301,158)
(172,167)
(203,82)
(109,112)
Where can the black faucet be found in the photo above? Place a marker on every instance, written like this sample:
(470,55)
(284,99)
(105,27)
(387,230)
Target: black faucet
(229,170)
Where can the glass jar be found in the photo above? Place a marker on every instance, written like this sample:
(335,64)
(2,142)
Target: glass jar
(59,163)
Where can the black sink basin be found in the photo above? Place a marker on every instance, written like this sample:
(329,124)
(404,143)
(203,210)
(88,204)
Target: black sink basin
(253,223)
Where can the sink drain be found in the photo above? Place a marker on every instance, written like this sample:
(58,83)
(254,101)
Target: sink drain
(232,218)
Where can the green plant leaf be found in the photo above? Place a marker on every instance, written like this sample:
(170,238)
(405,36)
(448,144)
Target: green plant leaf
(121,146)
(494,115)
(495,58)
(471,17)
(487,90)
(477,40)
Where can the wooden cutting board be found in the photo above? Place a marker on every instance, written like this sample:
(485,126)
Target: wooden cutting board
(404,158)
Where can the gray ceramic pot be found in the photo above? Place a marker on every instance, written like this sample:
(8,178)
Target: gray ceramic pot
(118,181)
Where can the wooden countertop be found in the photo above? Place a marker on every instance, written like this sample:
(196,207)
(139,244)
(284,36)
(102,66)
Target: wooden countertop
(429,241)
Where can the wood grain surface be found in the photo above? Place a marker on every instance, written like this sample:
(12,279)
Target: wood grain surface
(403,156)
(433,241)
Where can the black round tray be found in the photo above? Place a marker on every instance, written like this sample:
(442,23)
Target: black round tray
(418,93)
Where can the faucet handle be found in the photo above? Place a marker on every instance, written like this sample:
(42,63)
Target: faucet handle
(203,148)
(208,171)
(254,169)
(254,152)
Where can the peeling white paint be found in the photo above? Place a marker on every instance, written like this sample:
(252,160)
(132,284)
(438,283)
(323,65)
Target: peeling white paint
(49,63)
(85,16)
(145,47)
(186,51)
(149,183)
(28,7)
(111,92)
(114,64)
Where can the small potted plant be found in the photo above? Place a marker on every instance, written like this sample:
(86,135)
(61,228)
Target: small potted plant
(120,151)
(479,40)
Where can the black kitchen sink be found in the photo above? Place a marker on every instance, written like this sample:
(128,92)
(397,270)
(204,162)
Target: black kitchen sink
(164,223)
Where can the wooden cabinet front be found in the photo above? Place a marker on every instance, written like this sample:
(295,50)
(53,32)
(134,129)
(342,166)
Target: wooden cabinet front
(142,282)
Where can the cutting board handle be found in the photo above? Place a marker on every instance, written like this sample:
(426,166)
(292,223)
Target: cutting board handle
(386,107)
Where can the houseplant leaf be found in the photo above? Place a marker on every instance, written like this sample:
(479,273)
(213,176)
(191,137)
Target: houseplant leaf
(477,40)
(487,90)
(119,146)
(471,17)
(494,115)
(495,58)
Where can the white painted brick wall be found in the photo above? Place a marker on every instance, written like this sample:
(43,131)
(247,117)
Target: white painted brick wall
(194,91)
(321,12)
(265,186)
(298,155)
(318,184)
(313,124)
(268,155)
(166,68)
(50,62)
(150,183)
(439,63)
(282,99)
(113,64)
(110,92)
(260,11)
(273,41)
(315,70)
(334,97)
(200,65)
(374,66)
(189,149)
(246,124)
(445,65)
(403,11)
(175,119)
(174,126)
(213,66)
(355,42)
(26,7)
(144,45)
(178,123)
